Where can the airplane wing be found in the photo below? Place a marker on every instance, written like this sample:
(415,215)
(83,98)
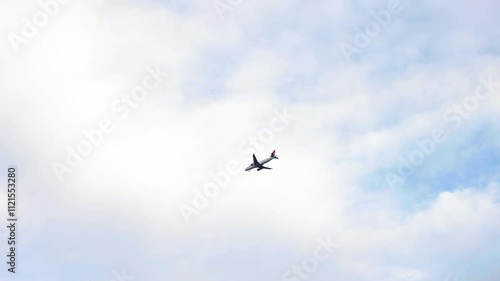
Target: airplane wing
(255,162)
(262,167)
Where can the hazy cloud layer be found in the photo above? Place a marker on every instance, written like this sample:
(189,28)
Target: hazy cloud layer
(260,76)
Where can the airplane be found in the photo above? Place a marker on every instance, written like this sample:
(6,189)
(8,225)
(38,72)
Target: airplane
(260,165)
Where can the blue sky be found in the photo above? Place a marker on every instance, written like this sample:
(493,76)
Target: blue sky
(188,92)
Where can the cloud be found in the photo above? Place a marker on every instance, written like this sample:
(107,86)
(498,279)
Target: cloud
(119,207)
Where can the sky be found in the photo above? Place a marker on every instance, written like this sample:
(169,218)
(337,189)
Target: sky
(130,124)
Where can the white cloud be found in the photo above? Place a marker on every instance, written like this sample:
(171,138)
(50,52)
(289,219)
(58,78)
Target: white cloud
(352,120)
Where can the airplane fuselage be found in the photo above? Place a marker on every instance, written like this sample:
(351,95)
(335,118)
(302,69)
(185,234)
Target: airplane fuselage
(262,162)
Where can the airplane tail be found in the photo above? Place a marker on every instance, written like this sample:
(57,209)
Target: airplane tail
(273,155)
